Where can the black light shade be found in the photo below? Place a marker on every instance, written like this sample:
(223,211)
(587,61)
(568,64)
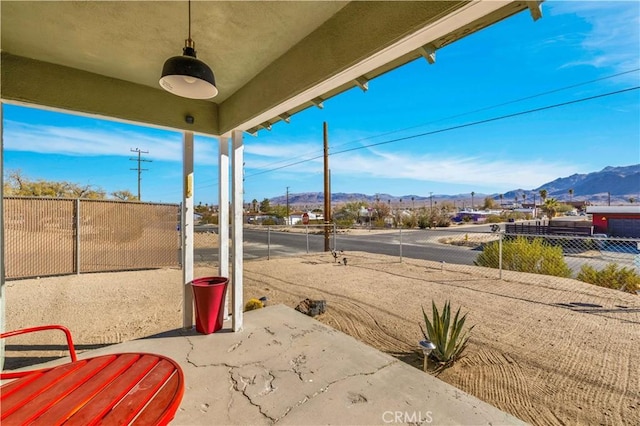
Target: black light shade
(188,76)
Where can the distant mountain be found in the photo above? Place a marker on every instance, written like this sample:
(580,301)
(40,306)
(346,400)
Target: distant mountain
(617,183)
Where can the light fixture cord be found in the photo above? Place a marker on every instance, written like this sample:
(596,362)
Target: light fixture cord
(189,20)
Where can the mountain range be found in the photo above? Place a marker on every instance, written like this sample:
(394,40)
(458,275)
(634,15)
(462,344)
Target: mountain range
(611,184)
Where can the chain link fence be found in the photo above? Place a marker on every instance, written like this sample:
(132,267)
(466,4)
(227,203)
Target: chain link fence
(606,261)
(50,236)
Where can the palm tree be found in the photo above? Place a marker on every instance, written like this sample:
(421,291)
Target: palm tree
(632,200)
(543,194)
(472,194)
(550,207)
(524,198)
(570,194)
(501,197)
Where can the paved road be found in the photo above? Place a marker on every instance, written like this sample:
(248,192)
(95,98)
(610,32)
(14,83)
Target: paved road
(416,244)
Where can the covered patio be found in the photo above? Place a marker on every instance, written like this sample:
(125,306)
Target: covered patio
(270,60)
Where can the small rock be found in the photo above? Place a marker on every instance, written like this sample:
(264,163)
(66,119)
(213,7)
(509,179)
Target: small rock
(312,307)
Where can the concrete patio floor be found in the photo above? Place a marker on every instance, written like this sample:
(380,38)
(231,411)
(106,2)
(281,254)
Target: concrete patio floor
(287,368)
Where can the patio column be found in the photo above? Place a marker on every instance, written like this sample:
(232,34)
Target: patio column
(2,304)
(237,222)
(223,214)
(187,229)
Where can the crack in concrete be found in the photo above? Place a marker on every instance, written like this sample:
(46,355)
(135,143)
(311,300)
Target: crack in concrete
(326,388)
(296,363)
(241,385)
(189,352)
(243,391)
(269,383)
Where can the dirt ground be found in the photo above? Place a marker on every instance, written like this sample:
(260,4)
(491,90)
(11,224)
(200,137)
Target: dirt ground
(547,350)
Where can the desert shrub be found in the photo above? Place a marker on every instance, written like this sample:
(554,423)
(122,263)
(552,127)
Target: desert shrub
(209,217)
(423,221)
(524,255)
(379,223)
(344,222)
(611,277)
(443,222)
(515,215)
(253,304)
(409,222)
(447,336)
(494,218)
(269,221)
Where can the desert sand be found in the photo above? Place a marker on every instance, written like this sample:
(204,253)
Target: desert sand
(547,350)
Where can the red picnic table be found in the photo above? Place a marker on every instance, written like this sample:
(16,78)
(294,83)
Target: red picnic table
(124,388)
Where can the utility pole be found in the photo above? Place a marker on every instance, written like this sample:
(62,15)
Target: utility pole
(288,206)
(327,189)
(140,170)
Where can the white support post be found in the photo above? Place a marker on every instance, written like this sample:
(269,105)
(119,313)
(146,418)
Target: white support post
(223,214)
(187,229)
(2,302)
(237,222)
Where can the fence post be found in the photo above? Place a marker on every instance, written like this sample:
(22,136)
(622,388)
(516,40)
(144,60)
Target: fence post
(77,239)
(268,242)
(500,255)
(400,244)
(306,231)
(335,231)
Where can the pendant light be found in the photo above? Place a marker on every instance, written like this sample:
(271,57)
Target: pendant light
(188,76)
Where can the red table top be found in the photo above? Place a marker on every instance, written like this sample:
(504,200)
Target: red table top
(127,388)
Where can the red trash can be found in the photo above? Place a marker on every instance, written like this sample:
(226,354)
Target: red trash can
(209,295)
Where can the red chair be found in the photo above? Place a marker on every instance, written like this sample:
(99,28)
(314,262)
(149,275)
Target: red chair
(72,349)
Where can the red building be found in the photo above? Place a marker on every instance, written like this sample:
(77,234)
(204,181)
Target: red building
(616,221)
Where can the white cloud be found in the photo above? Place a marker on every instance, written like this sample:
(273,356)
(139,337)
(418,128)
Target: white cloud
(614,37)
(462,170)
(99,141)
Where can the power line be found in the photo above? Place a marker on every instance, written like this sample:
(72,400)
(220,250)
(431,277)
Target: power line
(526,98)
(305,159)
(560,89)
(460,126)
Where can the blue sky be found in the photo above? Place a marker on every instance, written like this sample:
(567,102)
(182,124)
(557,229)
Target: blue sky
(478,78)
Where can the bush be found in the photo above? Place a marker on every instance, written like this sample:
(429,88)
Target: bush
(409,222)
(253,304)
(443,222)
(524,255)
(447,336)
(611,277)
(269,222)
(424,221)
(344,223)
(379,223)
(494,218)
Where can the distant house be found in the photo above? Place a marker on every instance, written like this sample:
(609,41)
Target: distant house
(616,221)
(296,218)
(477,216)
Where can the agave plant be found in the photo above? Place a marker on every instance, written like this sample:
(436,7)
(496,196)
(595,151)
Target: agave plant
(447,336)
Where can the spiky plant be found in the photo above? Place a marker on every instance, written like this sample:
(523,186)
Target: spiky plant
(449,339)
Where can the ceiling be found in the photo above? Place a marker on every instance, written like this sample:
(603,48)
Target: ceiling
(271,59)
